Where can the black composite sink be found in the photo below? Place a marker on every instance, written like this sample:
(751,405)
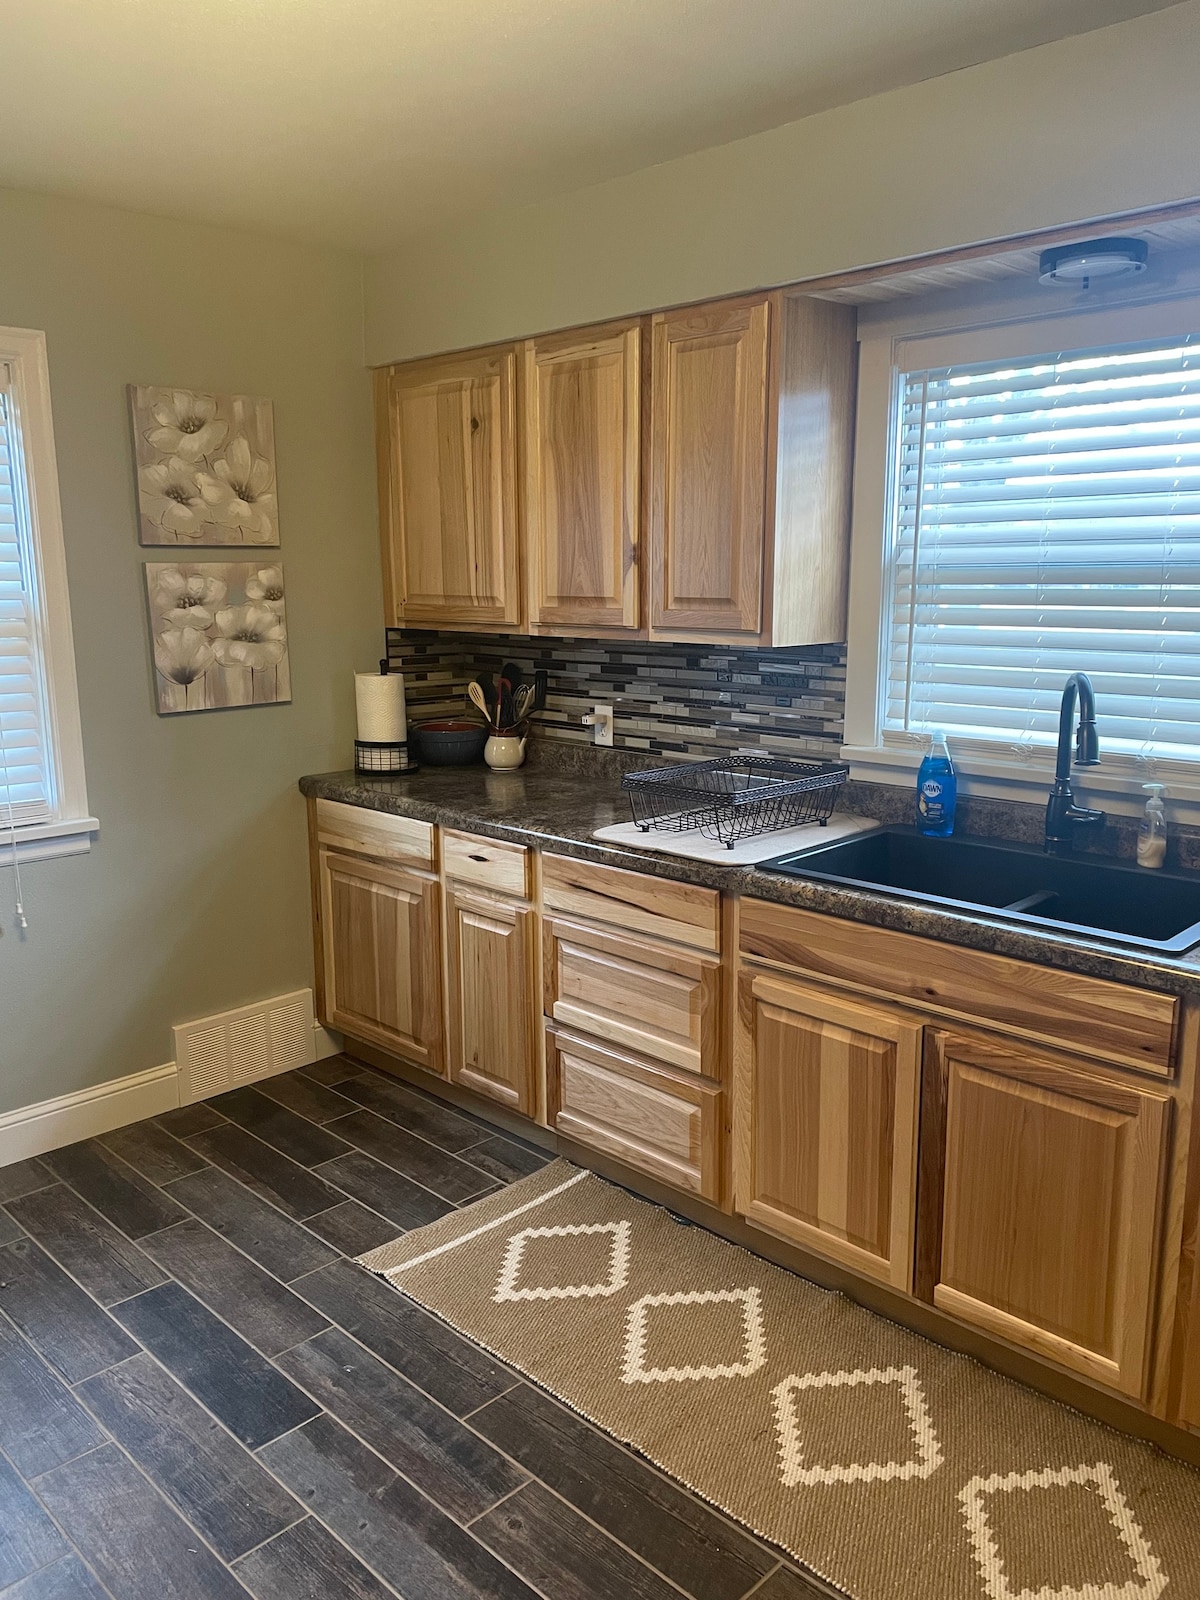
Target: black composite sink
(1114,901)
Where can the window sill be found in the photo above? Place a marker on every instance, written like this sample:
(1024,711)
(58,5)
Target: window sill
(45,841)
(1116,791)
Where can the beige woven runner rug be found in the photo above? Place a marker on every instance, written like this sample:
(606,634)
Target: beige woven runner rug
(893,1468)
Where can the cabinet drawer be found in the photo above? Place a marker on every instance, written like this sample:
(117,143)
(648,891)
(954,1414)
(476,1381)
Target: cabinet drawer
(1108,1021)
(667,1125)
(487,863)
(375,833)
(658,1001)
(634,901)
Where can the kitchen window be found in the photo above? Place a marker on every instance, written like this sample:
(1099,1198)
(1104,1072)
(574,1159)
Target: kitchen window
(43,798)
(1040,515)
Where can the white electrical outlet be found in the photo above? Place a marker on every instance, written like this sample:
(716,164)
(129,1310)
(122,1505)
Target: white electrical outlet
(600,720)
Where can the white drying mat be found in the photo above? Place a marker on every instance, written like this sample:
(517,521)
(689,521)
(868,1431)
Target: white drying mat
(746,852)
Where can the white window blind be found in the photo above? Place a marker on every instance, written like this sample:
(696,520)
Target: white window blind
(26,765)
(1047,520)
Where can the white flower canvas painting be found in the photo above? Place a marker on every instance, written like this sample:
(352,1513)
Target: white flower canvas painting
(219,635)
(205,467)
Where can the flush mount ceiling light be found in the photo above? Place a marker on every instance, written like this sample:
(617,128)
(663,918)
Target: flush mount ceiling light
(1077,265)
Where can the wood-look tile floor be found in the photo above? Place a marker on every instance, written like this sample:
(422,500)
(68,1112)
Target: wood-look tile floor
(202,1398)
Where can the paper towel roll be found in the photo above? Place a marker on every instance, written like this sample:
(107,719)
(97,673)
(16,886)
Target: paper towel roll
(379,703)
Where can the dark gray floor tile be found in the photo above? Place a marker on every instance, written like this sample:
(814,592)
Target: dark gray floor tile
(277,1243)
(41,1422)
(139,1546)
(128,1200)
(426,1351)
(153,1152)
(104,1261)
(390,1193)
(247,1394)
(416,1112)
(63,1323)
(562,1554)
(664,1524)
(333,1069)
(304,1097)
(295,1137)
(788,1585)
(28,1538)
(353,1229)
(416,1158)
(308,1563)
(189,1120)
(505,1159)
(395,1529)
(285,1184)
(67,1579)
(9,1230)
(206,1474)
(22,1177)
(249,1299)
(452,1465)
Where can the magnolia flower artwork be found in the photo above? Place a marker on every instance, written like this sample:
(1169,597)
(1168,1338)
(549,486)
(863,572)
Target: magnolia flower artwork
(219,634)
(205,467)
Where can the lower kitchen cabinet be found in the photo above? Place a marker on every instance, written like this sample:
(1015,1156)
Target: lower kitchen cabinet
(380,942)
(1049,1214)
(491,983)
(825,1123)
(665,1123)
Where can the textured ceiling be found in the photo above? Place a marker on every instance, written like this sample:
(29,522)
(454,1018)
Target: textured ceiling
(362,121)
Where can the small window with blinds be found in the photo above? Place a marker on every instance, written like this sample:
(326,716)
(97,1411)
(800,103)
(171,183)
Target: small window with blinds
(1046,519)
(27,777)
(43,799)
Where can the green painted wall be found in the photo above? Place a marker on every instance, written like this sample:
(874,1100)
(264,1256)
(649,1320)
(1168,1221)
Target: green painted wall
(195,895)
(1104,122)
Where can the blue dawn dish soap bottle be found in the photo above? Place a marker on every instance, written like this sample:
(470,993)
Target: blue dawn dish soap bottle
(937,791)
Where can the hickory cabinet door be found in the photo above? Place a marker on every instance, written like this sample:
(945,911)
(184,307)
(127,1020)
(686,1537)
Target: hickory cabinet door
(1051,1204)
(380,939)
(707,466)
(580,450)
(490,946)
(448,490)
(825,1118)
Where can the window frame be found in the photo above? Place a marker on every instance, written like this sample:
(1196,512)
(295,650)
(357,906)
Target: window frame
(69,829)
(998,768)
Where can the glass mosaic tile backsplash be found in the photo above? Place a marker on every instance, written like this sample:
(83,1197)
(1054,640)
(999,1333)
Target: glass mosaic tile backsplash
(676,700)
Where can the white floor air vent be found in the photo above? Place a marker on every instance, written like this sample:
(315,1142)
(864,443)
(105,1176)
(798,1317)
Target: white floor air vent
(214,1054)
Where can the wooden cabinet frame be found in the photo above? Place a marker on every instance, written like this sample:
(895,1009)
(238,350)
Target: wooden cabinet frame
(401,1006)
(852,1121)
(1116,1130)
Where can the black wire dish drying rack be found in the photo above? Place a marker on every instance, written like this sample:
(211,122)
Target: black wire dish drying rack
(735,797)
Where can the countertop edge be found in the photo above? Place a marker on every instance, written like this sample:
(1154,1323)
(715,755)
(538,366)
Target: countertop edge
(1172,976)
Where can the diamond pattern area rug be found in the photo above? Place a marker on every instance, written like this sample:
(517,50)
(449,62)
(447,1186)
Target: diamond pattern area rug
(887,1465)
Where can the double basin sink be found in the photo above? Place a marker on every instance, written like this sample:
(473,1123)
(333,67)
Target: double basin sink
(1115,902)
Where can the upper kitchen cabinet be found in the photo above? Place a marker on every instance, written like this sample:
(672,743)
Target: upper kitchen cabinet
(448,493)
(580,443)
(749,464)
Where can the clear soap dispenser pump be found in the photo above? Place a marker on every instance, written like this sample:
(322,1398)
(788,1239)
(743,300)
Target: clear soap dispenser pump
(1152,834)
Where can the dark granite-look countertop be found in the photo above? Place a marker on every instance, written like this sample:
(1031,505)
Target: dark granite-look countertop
(557,804)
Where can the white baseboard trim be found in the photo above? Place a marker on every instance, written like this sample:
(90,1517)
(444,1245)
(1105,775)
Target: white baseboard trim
(50,1124)
(32,1130)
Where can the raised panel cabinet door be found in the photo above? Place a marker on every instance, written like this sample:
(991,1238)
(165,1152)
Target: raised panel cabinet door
(825,1124)
(707,470)
(1051,1202)
(580,435)
(492,979)
(380,945)
(448,490)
